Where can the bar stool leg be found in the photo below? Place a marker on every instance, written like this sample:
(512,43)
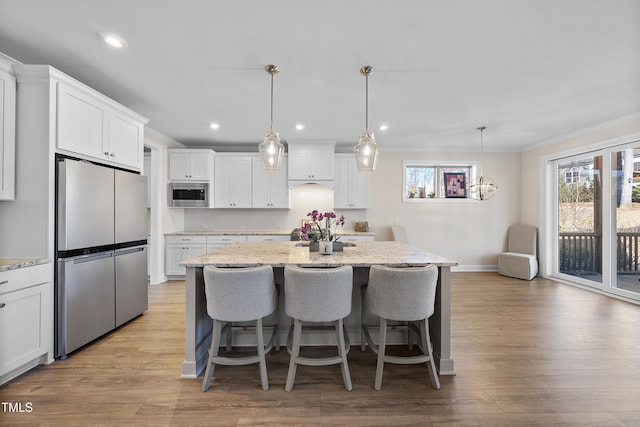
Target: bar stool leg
(426,347)
(381,351)
(363,318)
(213,352)
(342,352)
(295,352)
(262,362)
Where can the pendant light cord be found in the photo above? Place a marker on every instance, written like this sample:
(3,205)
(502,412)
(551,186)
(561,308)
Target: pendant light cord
(271,123)
(481,129)
(366,109)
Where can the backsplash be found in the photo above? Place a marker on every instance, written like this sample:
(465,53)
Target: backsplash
(304,198)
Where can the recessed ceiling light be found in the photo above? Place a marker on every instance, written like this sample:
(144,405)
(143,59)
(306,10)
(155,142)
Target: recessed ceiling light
(299,126)
(383,127)
(214,125)
(114,40)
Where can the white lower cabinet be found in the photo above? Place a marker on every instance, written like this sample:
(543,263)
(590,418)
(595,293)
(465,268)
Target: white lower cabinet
(180,248)
(26,320)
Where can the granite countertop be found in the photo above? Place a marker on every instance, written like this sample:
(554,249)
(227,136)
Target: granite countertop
(361,254)
(256,233)
(13,263)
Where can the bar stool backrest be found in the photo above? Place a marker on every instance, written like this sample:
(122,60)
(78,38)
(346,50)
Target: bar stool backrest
(402,293)
(318,294)
(239,294)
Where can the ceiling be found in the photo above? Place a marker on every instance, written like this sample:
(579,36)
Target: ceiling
(528,70)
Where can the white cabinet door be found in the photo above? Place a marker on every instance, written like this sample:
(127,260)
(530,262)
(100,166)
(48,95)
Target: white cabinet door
(321,166)
(126,140)
(92,126)
(179,248)
(190,165)
(176,253)
(199,167)
(351,189)
(178,166)
(270,189)
(81,123)
(305,165)
(23,334)
(232,182)
(311,161)
(7,134)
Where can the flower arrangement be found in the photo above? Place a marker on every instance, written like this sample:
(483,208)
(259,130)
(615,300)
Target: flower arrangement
(315,231)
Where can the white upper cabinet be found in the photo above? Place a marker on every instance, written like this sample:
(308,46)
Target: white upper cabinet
(311,161)
(270,189)
(94,126)
(190,165)
(7,131)
(232,182)
(351,189)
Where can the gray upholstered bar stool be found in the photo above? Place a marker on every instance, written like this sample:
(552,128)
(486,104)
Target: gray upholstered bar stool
(403,294)
(238,295)
(318,295)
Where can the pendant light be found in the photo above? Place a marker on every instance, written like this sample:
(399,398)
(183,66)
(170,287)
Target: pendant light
(483,187)
(366,150)
(271,149)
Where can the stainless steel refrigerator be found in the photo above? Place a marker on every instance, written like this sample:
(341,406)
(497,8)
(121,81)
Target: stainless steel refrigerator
(101,235)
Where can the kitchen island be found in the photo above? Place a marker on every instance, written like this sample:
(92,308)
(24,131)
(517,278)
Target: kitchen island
(360,256)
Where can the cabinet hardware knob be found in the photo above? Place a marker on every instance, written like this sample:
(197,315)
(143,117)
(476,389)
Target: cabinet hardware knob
(4,282)
(112,154)
(106,153)
(2,305)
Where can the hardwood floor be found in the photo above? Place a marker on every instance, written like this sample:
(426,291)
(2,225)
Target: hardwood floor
(526,353)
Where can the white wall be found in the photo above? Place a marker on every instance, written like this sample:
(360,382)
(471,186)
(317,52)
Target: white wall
(470,232)
(163,220)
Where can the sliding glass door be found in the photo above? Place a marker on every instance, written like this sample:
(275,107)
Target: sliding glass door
(598,219)
(580,217)
(626,193)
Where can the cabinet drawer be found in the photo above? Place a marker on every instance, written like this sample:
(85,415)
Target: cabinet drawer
(225,239)
(269,238)
(186,239)
(356,238)
(20,278)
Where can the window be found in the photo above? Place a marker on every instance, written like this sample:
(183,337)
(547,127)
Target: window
(425,180)
(571,177)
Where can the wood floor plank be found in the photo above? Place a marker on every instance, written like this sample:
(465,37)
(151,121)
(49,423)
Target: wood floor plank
(533,353)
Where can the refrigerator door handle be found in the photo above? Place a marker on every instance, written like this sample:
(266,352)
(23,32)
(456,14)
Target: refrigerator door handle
(91,257)
(128,251)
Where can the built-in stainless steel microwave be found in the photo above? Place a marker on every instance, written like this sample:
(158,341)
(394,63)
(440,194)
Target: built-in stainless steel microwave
(188,195)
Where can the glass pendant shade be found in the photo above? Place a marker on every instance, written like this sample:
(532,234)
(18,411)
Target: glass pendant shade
(271,151)
(483,188)
(366,152)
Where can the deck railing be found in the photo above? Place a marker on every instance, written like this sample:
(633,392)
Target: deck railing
(580,253)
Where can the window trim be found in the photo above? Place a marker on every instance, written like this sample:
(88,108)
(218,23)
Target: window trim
(473,171)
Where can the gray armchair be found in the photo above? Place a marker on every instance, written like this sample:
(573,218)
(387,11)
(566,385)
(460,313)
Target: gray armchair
(520,260)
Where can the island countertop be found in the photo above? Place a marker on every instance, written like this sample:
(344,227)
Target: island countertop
(258,233)
(278,254)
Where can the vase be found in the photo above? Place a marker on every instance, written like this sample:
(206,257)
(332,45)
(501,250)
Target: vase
(326,247)
(338,247)
(314,246)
